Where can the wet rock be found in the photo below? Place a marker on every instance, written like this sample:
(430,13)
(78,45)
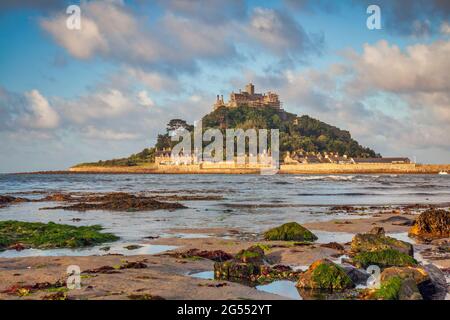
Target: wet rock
(431,224)
(233,269)
(215,255)
(151,237)
(17,247)
(214,285)
(418,274)
(324,274)
(358,276)
(436,289)
(103,270)
(291,231)
(133,265)
(333,245)
(363,242)
(343,208)
(253,255)
(57,197)
(119,202)
(191,197)
(383,258)
(281,268)
(409,291)
(7,200)
(144,296)
(398,221)
(60,295)
(133,247)
(249,266)
(396,288)
(24,289)
(379,231)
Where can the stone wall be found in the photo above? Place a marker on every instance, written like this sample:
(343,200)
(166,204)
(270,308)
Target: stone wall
(320,168)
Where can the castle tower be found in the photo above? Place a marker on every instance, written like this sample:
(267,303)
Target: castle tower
(250,88)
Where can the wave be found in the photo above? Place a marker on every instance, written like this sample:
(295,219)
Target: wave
(335,194)
(325,178)
(282,182)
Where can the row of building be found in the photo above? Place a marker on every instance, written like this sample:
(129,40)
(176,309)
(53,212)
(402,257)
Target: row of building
(164,157)
(331,157)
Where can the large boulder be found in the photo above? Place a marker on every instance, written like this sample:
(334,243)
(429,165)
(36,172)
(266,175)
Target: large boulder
(246,264)
(436,289)
(291,231)
(409,291)
(234,270)
(376,241)
(383,258)
(324,274)
(397,288)
(429,279)
(431,224)
(358,276)
(418,274)
(254,255)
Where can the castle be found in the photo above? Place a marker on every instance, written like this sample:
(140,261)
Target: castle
(248,97)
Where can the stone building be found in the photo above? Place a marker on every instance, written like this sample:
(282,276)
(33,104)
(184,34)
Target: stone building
(248,97)
(302,157)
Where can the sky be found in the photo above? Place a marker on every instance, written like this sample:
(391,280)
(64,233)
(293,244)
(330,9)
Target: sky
(106,90)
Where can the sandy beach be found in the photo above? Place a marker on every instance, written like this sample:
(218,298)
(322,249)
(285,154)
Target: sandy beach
(170,276)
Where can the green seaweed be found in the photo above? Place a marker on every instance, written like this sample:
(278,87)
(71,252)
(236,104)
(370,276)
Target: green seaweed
(50,235)
(291,231)
(389,289)
(331,276)
(384,258)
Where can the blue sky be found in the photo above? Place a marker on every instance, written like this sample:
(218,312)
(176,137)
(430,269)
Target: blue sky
(105,91)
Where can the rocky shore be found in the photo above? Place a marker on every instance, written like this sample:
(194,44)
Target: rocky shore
(233,264)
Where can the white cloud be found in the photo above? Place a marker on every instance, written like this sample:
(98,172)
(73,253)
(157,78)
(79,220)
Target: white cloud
(108,134)
(41,115)
(155,80)
(419,68)
(195,98)
(144,99)
(82,43)
(445,28)
(180,39)
(105,104)
(279,32)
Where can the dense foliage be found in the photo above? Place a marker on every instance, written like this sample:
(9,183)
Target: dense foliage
(145,156)
(296,133)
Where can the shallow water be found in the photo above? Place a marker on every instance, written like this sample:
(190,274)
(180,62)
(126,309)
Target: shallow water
(114,248)
(283,288)
(252,203)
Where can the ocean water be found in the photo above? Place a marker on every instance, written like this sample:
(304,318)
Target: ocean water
(251,203)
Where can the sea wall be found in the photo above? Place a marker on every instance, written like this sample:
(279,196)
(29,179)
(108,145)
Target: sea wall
(348,168)
(368,168)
